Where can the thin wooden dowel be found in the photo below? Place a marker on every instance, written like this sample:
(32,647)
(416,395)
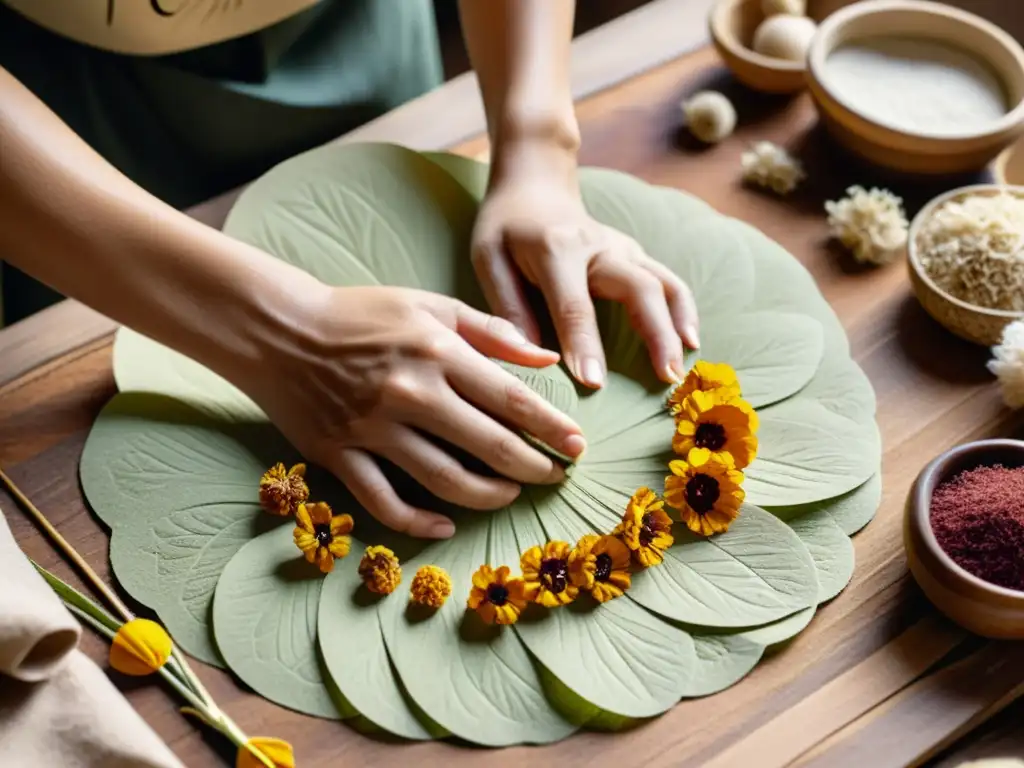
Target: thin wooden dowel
(70,552)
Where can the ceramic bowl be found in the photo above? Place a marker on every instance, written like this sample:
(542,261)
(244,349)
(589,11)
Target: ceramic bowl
(982,608)
(903,150)
(732,24)
(1008,168)
(968,321)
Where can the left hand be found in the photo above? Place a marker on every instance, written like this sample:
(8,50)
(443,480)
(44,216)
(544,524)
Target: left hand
(533,225)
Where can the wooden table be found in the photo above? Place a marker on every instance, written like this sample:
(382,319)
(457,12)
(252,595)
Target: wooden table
(877,680)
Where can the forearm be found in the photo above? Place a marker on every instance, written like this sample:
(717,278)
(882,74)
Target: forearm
(74,222)
(520,50)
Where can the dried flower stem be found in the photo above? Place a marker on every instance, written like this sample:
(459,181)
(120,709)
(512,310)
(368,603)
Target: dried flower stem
(176,672)
(108,594)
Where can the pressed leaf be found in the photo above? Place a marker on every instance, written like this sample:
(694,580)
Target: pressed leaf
(471,174)
(144,365)
(179,490)
(722,661)
(476,681)
(856,509)
(644,661)
(265,623)
(782,630)
(807,453)
(775,354)
(354,653)
(831,549)
(756,572)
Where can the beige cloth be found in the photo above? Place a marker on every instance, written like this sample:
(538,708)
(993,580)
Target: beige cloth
(57,708)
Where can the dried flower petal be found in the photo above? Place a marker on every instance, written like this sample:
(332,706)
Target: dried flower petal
(431,586)
(277,751)
(770,166)
(140,647)
(704,377)
(380,571)
(282,491)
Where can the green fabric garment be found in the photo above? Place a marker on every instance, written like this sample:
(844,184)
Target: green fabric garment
(189,126)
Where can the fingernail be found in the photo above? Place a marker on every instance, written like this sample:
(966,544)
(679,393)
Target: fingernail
(592,372)
(574,445)
(442,529)
(677,370)
(691,332)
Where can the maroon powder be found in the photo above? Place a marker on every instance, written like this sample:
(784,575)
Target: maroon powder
(978,519)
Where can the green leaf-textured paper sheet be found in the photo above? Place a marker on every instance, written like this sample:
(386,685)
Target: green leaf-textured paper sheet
(173,462)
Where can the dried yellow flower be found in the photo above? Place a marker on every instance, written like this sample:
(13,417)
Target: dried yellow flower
(646,528)
(600,565)
(380,571)
(546,574)
(496,596)
(322,535)
(282,491)
(431,586)
(278,752)
(140,647)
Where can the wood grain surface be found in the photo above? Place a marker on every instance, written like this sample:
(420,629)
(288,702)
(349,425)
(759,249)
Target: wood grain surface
(876,680)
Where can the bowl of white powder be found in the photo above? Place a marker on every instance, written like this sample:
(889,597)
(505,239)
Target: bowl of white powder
(916,86)
(965,251)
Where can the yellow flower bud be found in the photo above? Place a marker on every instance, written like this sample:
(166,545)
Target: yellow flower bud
(431,586)
(140,647)
(278,752)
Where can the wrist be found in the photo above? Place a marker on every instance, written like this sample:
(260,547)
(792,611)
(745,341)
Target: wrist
(528,159)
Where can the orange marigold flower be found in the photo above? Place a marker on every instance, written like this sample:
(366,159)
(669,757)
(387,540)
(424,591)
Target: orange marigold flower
(380,571)
(322,535)
(282,491)
(646,528)
(497,597)
(431,586)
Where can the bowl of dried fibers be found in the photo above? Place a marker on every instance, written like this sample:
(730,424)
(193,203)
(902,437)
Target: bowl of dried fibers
(963,531)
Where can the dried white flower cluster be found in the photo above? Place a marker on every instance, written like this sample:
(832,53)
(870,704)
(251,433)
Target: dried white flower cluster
(1007,364)
(870,223)
(784,37)
(710,116)
(770,166)
(973,249)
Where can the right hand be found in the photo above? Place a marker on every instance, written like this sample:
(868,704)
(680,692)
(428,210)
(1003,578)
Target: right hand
(373,369)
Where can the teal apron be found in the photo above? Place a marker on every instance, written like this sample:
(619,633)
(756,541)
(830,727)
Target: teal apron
(189,126)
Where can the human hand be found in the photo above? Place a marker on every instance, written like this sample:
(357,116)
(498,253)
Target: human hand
(532,225)
(376,370)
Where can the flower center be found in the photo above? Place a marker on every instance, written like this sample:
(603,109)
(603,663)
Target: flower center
(604,567)
(554,573)
(710,436)
(648,529)
(702,492)
(497,594)
(322,532)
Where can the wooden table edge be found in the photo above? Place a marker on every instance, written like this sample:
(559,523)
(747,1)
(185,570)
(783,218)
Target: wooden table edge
(609,55)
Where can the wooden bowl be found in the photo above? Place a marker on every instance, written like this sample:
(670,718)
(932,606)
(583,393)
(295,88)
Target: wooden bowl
(732,25)
(979,325)
(897,148)
(1008,168)
(985,609)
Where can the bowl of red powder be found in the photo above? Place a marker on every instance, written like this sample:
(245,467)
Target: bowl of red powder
(964,536)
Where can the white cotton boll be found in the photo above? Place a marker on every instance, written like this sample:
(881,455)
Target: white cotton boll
(785,37)
(710,116)
(788,7)
(870,223)
(1007,364)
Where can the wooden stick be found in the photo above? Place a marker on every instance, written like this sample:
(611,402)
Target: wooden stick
(70,552)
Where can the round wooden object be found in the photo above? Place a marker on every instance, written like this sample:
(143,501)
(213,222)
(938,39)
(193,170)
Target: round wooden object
(968,321)
(985,609)
(732,25)
(899,149)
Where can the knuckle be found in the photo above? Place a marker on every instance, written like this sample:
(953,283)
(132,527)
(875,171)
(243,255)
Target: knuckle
(403,389)
(576,313)
(505,451)
(518,398)
(437,347)
(444,479)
